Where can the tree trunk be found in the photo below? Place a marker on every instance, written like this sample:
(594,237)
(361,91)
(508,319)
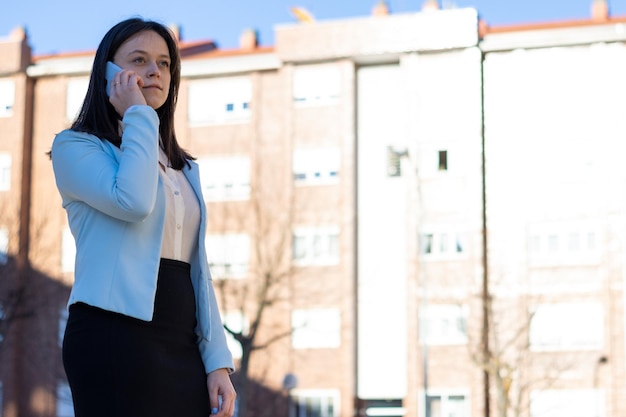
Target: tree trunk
(243,381)
(503,395)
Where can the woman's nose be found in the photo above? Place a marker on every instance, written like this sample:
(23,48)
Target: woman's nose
(153,70)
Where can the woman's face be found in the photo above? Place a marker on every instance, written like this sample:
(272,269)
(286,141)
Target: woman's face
(146,53)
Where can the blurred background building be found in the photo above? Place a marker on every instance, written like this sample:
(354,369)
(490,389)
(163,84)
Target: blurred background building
(410,214)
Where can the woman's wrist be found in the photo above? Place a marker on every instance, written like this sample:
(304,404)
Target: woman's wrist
(218,369)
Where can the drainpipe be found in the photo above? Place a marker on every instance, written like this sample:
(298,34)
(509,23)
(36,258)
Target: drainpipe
(23,261)
(22,258)
(485,297)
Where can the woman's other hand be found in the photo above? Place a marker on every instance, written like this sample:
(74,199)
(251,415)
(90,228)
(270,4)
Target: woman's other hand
(220,385)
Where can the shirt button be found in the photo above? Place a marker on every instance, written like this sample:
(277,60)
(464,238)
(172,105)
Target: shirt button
(176,193)
(178,226)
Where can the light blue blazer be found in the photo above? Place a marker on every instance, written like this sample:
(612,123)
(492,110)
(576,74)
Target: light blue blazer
(115,206)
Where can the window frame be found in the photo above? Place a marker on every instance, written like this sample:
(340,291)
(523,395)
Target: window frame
(219,100)
(75,93)
(234,243)
(299,399)
(550,243)
(429,161)
(310,237)
(445,395)
(316,85)
(444,243)
(452,317)
(316,166)
(4,245)
(7,97)
(225,178)
(6,166)
(323,331)
(558,330)
(573,402)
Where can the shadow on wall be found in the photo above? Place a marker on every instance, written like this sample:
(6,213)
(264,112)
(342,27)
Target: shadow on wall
(32,314)
(263,401)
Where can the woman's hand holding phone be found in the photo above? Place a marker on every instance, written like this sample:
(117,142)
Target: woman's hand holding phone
(123,88)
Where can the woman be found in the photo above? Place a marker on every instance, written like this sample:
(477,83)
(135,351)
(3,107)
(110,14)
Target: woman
(144,336)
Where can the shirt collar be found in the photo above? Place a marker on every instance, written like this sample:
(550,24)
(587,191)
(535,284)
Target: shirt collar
(163,159)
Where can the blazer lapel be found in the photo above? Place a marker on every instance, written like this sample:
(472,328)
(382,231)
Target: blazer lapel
(193,176)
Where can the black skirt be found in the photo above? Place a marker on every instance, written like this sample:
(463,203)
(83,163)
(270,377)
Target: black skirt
(118,366)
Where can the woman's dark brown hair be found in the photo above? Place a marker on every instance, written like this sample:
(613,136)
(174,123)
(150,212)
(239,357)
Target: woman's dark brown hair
(98,117)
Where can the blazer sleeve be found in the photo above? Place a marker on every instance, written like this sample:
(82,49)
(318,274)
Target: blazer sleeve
(215,353)
(126,188)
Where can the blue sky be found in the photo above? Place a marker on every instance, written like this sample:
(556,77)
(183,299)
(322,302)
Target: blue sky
(76,25)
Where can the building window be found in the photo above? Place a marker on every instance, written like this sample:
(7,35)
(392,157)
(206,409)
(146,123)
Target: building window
(563,243)
(444,324)
(5,171)
(4,246)
(229,255)
(567,403)
(236,322)
(65,404)
(573,242)
(225,178)
(316,166)
(435,161)
(426,243)
(447,405)
(567,326)
(314,403)
(76,91)
(220,100)
(443,160)
(443,244)
(316,328)
(316,85)
(553,243)
(316,246)
(7,97)
(68,251)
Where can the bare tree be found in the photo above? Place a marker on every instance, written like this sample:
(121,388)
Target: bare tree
(12,291)
(509,362)
(262,296)
(31,303)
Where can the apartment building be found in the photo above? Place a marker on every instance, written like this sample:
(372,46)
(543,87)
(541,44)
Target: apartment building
(555,207)
(411,186)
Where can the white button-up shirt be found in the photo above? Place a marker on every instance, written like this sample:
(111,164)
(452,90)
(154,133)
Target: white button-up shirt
(182,213)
